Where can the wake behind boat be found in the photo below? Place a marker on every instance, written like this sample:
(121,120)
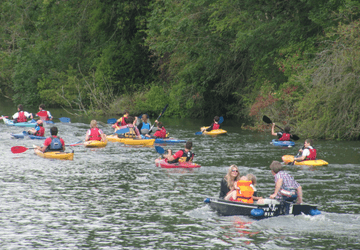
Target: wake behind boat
(260,211)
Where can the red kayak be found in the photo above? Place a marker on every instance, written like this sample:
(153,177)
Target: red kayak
(163,164)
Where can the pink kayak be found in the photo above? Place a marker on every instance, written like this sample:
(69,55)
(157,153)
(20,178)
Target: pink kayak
(163,164)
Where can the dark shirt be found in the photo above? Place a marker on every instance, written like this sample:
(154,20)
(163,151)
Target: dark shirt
(223,189)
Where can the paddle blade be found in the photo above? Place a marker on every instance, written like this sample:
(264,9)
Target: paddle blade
(221,119)
(111,120)
(295,137)
(65,119)
(122,131)
(18,149)
(267,119)
(160,150)
(2,117)
(164,110)
(198,133)
(76,143)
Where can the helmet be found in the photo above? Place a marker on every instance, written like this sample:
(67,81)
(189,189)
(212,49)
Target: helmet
(39,122)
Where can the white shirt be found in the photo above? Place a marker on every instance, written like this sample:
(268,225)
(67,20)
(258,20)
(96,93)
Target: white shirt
(16,115)
(306,151)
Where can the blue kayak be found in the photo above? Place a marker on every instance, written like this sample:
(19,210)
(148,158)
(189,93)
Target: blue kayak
(169,140)
(22,136)
(276,142)
(30,124)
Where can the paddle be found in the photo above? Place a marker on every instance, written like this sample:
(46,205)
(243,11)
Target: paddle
(221,119)
(22,149)
(160,150)
(3,117)
(162,112)
(64,119)
(122,131)
(111,121)
(268,121)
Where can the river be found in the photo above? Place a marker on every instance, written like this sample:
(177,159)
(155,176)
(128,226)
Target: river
(115,197)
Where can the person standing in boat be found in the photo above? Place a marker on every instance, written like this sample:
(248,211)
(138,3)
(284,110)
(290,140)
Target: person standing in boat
(39,129)
(94,133)
(53,143)
(43,114)
(144,126)
(286,188)
(227,185)
(307,152)
(181,155)
(21,115)
(215,125)
(282,135)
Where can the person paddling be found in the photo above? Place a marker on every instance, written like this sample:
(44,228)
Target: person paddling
(21,115)
(94,133)
(53,143)
(182,155)
(43,114)
(215,125)
(145,125)
(282,135)
(308,152)
(39,129)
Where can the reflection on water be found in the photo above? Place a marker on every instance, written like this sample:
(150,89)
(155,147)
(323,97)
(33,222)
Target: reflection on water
(115,197)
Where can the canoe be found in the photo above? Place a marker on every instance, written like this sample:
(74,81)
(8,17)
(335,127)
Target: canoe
(131,141)
(260,211)
(22,136)
(276,142)
(55,155)
(163,164)
(290,158)
(29,124)
(95,144)
(169,140)
(214,132)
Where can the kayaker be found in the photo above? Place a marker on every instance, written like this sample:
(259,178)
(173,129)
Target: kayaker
(144,126)
(133,130)
(181,155)
(21,115)
(94,133)
(215,125)
(43,114)
(227,183)
(121,121)
(160,132)
(39,129)
(53,143)
(286,188)
(282,135)
(308,152)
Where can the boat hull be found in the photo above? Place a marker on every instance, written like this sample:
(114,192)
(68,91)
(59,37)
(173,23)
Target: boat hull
(214,132)
(95,144)
(282,143)
(168,140)
(259,211)
(163,164)
(19,124)
(131,141)
(55,155)
(316,163)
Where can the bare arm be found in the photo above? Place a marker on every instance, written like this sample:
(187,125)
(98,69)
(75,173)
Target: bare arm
(273,130)
(278,185)
(299,193)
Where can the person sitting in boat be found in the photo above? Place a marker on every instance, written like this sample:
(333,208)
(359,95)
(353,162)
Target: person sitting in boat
(43,114)
(53,143)
(308,152)
(252,178)
(244,192)
(215,125)
(160,132)
(181,155)
(144,126)
(39,129)
(122,121)
(94,133)
(286,188)
(133,130)
(282,135)
(227,187)
(21,115)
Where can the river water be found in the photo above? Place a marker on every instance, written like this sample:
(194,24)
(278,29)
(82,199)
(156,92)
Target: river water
(115,197)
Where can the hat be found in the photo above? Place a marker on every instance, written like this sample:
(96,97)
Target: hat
(39,122)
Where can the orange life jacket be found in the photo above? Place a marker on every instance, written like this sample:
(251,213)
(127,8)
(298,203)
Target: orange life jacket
(245,193)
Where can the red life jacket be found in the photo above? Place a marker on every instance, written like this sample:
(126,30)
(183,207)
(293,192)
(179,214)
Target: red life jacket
(95,134)
(41,132)
(160,133)
(123,122)
(43,115)
(216,126)
(285,137)
(312,155)
(21,117)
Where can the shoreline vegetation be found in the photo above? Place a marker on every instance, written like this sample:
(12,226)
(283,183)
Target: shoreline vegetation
(297,62)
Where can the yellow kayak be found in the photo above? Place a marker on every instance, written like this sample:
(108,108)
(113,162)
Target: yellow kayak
(290,158)
(55,155)
(95,144)
(131,141)
(214,132)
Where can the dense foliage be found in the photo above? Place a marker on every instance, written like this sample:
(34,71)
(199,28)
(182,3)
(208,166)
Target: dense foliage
(296,61)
